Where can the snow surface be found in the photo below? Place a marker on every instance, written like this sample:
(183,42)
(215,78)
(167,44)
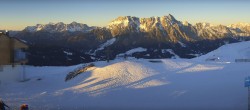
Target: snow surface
(8,73)
(106,44)
(182,44)
(229,52)
(174,84)
(68,53)
(171,52)
(138,49)
(130,52)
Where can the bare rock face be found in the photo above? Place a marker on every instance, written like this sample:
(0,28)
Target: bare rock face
(169,29)
(123,25)
(165,28)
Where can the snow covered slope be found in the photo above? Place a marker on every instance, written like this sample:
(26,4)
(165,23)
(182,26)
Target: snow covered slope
(139,49)
(106,44)
(229,52)
(175,84)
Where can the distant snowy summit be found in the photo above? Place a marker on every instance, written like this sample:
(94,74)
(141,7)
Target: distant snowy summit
(134,24)
(169,26)
(60,27)
(155,26)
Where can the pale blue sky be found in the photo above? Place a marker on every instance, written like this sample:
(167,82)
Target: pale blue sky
(17,14)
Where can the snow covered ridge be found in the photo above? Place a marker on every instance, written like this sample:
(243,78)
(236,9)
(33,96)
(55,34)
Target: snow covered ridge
(228,53)
(59,27)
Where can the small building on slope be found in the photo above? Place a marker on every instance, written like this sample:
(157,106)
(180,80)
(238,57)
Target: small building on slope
(12,57)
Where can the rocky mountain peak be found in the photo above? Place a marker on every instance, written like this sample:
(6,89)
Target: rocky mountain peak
(59,27)
(239,25)
(171,18)
(165,27)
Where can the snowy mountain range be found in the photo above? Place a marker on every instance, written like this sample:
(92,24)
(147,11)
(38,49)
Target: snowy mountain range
(155,34)
(168,26)
(59,27)
(165,25)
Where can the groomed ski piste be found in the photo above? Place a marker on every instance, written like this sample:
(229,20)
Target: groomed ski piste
(139,84)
